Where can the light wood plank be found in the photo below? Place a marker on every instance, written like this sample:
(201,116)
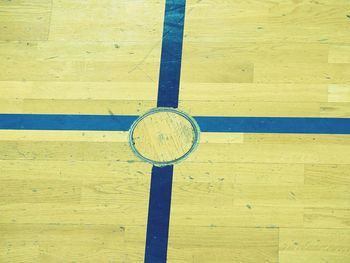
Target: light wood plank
(107,21)
(339,53)
(258,109)
(39,191)
(272,153)
(80,171)
(339,93)
(302,73)
(324,217)
(78,90)
(218,195)
(25,20)
(54,243)
(90,136)
(339,110)
(314,245)
(222,244)
(253,92)
(74,151)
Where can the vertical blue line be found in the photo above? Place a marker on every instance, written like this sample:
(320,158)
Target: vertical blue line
(159,214)
(168,96)
(170,64)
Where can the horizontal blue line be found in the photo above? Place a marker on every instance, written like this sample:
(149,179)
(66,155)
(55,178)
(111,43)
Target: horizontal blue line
(206,123)
(66,122)
(275,125)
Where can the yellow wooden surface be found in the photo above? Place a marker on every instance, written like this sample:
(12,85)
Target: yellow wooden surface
(76,196)
(266,58)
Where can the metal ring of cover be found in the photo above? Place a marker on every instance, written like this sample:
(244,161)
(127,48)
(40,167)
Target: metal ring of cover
(196,131)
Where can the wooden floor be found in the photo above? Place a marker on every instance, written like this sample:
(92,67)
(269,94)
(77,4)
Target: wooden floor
(69,196)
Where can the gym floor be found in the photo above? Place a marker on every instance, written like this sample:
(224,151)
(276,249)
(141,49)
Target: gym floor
(70,195)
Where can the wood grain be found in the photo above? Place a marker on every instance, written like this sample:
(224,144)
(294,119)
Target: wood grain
(76,196)
(163,136)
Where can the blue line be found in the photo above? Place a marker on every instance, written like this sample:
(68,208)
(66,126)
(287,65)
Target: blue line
(274,125)
(168,96)
(170,65)
(66,122)
(206,124)
(159,214)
